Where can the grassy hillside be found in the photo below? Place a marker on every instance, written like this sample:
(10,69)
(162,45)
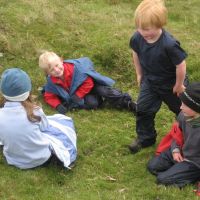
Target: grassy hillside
(99,29)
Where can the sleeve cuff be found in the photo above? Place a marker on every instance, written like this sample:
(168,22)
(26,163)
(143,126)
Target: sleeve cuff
(176,150)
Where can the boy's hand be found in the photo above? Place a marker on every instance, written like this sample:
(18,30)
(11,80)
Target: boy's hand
(178,89)
(177,156)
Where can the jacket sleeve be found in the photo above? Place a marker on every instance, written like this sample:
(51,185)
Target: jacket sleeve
(175,147)
(177,139)
(51,99)
(85,88)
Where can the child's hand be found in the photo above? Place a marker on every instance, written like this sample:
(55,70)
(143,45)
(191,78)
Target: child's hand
(177,89)
(177,156)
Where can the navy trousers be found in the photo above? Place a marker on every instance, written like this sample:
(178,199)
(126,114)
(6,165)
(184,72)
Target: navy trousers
(148,104)
(102,93)
(170,172)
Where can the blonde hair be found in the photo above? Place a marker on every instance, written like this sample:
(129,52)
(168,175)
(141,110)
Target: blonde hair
(151,13)
(46,59)
(29,105)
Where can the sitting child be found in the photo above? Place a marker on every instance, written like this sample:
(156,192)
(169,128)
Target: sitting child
(75,84)
(29,138)
(180,163)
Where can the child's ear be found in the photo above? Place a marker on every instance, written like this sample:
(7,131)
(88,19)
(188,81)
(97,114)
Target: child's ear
(61,59)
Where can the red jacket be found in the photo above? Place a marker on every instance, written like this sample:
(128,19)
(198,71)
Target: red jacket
(53,100)
(174,134)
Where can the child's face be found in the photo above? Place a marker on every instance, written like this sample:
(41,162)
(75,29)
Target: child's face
(56,68)
(150,34)
(188,112)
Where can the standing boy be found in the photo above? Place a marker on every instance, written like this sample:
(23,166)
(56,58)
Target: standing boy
(160,68)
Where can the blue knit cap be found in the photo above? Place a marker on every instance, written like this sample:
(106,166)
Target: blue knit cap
(15,84)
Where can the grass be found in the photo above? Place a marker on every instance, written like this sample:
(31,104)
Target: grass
(100,30)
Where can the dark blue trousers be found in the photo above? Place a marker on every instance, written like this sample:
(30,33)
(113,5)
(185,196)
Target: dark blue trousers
(148,104)
(102,93)
(170,172)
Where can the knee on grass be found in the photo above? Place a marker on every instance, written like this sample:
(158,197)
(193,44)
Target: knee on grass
(151,166)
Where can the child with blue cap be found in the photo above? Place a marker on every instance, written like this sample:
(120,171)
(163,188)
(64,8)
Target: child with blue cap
(29,137)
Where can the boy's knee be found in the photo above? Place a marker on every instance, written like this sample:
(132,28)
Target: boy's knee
(151,166)
(166,179)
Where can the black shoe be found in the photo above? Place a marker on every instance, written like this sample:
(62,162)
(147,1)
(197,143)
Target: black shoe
(132,107)
(135,146)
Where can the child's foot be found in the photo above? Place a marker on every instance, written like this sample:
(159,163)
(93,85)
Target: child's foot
(136,145)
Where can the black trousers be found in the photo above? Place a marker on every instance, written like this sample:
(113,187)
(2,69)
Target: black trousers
(170,172)
(148,104)
(102,93)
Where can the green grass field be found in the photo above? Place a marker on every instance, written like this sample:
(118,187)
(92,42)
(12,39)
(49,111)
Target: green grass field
(99,29)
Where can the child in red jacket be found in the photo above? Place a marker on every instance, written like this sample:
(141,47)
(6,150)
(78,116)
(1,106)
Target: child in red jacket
(75,84)
(180,163)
